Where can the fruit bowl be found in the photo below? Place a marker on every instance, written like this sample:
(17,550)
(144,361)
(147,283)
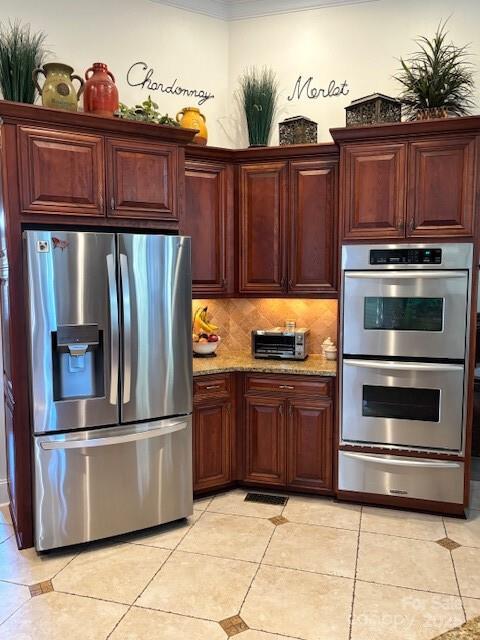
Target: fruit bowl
(205,348)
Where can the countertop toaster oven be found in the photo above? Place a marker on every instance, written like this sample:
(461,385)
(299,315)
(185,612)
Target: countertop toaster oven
(280,343)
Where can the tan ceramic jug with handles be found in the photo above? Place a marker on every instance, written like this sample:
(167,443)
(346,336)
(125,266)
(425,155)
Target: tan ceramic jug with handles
(193,118)
(58,91)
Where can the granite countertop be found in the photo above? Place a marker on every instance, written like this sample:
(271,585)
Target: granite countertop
(469,631)
(240,361)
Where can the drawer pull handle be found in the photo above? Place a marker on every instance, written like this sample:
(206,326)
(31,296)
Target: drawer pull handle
(286,386)
(212,386)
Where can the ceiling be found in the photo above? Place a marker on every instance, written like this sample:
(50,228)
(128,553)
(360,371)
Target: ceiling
(243,9)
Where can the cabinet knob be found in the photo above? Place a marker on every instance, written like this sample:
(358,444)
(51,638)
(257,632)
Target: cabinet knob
(411,225)
(112,203)
(213,386)
(286,386)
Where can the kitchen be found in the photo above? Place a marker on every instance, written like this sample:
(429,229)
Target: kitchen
(312,479)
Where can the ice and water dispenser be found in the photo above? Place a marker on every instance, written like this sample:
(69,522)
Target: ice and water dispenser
(77,351)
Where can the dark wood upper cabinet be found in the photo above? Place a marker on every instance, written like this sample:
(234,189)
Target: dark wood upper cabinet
(60,172)
(441,193)
(142,180)
(373,190)
(265,440)
(209,221)
(212,434)
(262,219)
(312,227)
(309,444)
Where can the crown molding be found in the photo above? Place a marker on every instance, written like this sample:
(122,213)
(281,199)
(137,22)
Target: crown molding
(243,9)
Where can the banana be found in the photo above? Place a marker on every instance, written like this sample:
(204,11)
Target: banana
(200,322)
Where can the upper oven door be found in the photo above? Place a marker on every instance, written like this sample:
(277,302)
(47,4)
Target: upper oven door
(406,313)
(405,404)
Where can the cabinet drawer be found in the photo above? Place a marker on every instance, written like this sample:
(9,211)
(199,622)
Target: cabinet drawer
(211,386)
(291,385)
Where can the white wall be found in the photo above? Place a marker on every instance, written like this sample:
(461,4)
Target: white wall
(359,43)
(178,44)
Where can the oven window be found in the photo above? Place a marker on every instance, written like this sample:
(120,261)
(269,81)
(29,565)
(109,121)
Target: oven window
(402,403)
(403,314)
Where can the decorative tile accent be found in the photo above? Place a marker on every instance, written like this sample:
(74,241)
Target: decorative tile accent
(448,543)
(232,626)
(276,520)
(40,588)
(236,317)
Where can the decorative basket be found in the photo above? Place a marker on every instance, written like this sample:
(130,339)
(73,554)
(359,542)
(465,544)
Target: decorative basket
(297,130)
(373,109)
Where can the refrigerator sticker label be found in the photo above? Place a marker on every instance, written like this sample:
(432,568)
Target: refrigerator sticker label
(42,246)
(60,244)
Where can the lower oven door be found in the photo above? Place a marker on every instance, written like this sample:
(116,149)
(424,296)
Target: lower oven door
(419,478)
(104,482)
(407,404)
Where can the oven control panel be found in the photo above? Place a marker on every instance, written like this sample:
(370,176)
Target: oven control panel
(405,256)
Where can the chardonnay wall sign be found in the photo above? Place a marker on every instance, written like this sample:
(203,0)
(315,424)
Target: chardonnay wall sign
(142,75)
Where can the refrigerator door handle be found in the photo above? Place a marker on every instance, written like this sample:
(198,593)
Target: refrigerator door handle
(114,333)
(171,426)
(127,329)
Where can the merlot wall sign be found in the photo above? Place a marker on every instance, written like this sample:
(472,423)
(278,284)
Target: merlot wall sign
(307,89)
(142,75)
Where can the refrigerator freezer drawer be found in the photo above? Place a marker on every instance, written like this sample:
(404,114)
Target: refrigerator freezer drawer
(104,482)
(420,478)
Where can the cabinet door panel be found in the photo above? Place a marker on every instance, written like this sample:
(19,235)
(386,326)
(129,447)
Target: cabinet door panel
(265,441)
(61,173)
(211,445)
(209,221)
(373,191)
(441,191)
(142,180)
(313,219)
(263,202)
(309,444)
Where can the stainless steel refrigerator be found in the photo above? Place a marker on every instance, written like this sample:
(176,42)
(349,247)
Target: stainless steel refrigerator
(111,382)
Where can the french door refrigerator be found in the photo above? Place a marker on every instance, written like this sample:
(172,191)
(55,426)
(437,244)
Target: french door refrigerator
(111,382)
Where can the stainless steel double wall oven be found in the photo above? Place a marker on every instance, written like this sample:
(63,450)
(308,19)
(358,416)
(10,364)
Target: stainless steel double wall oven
(405,326)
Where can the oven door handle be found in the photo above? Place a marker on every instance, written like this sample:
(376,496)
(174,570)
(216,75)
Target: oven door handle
(404,275)
(403,462)
(404,366)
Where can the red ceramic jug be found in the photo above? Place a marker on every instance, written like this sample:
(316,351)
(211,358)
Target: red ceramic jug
(100,95)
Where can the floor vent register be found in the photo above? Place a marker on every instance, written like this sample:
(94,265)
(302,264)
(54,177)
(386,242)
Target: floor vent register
(266,498)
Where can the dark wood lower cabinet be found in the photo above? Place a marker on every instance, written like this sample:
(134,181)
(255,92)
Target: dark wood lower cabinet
(309,444)
(212,445)
(274,435)
(265,440)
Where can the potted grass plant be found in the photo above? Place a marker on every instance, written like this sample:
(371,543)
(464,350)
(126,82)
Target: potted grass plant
(21,51)
(437,80)
(258,96)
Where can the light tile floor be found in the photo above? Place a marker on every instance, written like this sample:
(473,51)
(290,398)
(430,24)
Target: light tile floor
(329,572)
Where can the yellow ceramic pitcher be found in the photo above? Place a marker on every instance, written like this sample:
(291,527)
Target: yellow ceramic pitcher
(58,91)
(193,118)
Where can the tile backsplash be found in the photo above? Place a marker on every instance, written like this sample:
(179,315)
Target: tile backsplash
(236,317)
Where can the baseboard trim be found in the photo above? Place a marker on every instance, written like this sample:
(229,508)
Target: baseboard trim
(4,499)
